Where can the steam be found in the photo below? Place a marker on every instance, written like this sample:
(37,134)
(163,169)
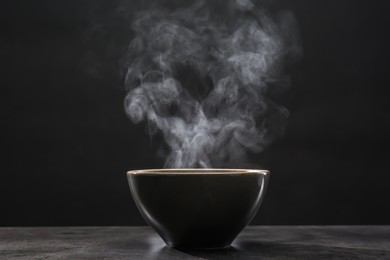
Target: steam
(200,75)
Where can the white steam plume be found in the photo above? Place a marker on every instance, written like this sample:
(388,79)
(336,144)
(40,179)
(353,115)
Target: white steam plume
(200,75)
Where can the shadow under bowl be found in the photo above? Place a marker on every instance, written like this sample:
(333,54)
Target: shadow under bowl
(198,208)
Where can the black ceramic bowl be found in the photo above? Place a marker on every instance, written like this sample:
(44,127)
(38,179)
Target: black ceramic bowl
(198,208)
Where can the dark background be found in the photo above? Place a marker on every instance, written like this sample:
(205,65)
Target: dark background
(66,142)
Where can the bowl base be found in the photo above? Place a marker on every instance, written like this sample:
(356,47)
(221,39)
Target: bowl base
(199,248)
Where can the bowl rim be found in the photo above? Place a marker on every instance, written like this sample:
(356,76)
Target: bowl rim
(197,171)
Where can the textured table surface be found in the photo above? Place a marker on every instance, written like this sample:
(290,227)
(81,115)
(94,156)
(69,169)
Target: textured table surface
(255,242)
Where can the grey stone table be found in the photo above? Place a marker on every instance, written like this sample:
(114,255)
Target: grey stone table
(255,242)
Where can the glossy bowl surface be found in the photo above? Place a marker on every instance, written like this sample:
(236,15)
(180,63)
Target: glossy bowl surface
(198,208)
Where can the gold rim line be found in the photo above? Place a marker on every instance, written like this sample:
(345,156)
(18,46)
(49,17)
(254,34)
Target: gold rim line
(198,171)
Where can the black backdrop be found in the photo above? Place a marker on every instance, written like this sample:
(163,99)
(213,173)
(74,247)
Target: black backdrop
(66,142)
